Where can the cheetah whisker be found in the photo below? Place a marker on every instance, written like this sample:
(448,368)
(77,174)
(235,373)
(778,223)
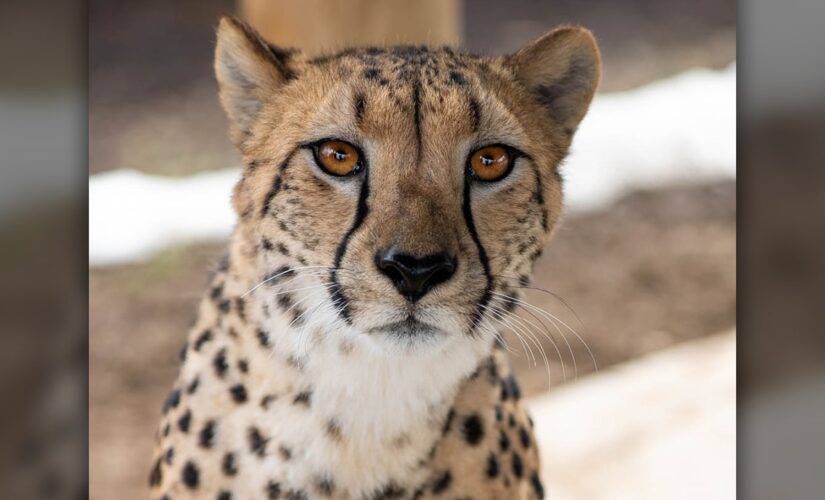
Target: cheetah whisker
(521,303)
(534,339)
(527,350)
(293,270)
(527,323)
(551,317)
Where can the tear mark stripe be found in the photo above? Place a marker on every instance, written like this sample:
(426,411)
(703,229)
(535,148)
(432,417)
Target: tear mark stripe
(339,300)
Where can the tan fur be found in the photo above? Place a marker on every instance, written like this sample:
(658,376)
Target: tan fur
(416,113)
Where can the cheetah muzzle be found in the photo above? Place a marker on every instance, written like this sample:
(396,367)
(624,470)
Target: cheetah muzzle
(392,204)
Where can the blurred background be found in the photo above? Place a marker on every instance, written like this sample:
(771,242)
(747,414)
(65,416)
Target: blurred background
(643,268)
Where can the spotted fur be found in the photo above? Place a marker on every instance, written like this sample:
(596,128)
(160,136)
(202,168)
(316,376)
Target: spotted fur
(307,374)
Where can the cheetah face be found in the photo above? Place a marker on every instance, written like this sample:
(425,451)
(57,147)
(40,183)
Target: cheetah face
(414,186)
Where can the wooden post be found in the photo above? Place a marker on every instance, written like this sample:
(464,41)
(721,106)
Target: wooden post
(322,26)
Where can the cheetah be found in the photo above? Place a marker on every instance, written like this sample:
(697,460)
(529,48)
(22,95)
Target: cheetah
(392,203)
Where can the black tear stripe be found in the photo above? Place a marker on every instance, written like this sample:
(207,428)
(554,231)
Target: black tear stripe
(482,256)
(277,184)
(339,300)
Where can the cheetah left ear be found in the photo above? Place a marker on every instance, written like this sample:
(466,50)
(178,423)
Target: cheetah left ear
(562,69)
(249,72)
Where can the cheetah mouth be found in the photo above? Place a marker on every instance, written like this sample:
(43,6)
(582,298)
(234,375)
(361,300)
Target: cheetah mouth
(407,328)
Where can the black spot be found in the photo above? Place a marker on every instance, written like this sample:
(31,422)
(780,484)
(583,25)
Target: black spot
(510,388)
(278,275)
(371,73)
(457,78)
(184,420)
(511,420)
(276,185)
(442,482)
(166,429)
(524,436)
(448,421)
(333,430)
(224,306)
(219,362)
(282,249)
(172,400)
(510,305)
(193,386)
(267,400)
(273,490)
(359,109)
(503,441)
(169,455)
(472,429)
(285,453)
(285,301)
(304,398)
(243,366)
(499,413)
(492,466)
(296,495)
(325,486)
(228,465)
(266,244)
(475,114)
(224,495)
(182,352)
(390,491)
(207,434)
(257,442)
(518,468)
(263,338)
(537,486)
(240,307)
(156,474)
(203,338)
(190,475)
(238,392)
(216,292)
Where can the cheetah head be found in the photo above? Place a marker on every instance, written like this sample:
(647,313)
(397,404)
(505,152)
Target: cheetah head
(409,188)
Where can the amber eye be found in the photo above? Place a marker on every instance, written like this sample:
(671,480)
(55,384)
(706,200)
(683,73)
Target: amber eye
(490,163)
(338,158)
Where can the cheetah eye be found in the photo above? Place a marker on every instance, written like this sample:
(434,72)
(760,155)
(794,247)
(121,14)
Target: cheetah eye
(337,158)
(490,163)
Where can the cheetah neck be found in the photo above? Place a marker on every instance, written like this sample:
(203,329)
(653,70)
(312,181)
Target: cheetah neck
(384,408)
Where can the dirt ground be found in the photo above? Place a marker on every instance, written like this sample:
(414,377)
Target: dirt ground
(654,269)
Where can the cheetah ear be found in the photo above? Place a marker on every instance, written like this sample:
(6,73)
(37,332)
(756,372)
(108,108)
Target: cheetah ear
(249,71)
(562,69)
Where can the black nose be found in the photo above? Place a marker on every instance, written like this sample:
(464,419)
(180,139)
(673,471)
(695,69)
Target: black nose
(414,276)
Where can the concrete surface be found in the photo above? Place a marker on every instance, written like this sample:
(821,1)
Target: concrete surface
(659,427)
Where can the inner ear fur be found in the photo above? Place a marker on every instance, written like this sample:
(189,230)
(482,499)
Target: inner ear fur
(562,70)
(248,70)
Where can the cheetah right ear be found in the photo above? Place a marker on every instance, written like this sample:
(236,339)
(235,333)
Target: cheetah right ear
(562,69)
(249,71)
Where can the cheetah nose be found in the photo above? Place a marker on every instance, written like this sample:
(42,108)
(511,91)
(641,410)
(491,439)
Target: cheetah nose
(414,276)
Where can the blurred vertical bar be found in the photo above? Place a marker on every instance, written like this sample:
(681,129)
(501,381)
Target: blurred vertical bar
(43,255)
(781,275)
(318,26)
